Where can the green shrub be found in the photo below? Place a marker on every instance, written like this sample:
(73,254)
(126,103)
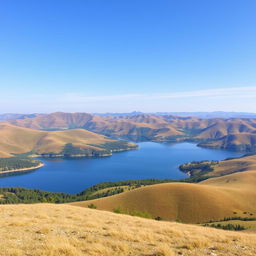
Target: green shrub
(92,206)
(137,213)
(235,227)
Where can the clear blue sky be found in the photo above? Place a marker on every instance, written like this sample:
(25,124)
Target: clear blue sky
(125,55)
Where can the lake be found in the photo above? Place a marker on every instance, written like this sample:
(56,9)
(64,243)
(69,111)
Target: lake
(151,160)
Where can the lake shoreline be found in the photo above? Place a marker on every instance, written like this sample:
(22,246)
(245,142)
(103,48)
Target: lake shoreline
(22,169)
(153,160)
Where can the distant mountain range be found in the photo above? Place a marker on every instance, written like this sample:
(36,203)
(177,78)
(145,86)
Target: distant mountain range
(216,114)
(206,115)
(225,133)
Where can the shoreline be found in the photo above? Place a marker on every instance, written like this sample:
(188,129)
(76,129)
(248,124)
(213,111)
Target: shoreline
(22,169)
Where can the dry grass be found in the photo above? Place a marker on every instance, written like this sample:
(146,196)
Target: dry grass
(213,199)
(217,198)
(56,230)
(235,165)
(18,140)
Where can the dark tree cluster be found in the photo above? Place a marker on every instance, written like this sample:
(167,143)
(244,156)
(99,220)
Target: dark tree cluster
(14,163)
(23,195)
(229,226)
(194,167)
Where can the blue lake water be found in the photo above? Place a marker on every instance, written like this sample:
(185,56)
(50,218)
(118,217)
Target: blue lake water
(151,160)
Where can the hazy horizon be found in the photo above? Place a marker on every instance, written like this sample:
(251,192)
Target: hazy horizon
(137,112)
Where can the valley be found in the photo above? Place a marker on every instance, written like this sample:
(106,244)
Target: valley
(151,161)
(127,128)
(190,177)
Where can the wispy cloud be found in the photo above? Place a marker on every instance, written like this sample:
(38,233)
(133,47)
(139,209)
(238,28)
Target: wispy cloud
(241,92)
(226,99)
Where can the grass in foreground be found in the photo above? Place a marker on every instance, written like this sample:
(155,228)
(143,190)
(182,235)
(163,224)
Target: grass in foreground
(46,229)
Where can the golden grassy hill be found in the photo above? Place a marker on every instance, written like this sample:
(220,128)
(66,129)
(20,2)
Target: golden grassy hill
(239,141)
(128,127)
(247,163)
(56,120)
(60,120)
(19,140)
(213,199)
(217,128)
(55,230)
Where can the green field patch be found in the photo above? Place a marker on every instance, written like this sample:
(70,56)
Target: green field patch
(143,214)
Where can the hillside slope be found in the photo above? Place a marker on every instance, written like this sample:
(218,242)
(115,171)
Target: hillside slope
(213,199)
(241,164)
(137,128)
(237,142)
(17,140)
(46,229)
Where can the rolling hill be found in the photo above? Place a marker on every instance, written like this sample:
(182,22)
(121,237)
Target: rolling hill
(231,133)
(47,229)
(78,142)
(216,198)
(238,142)
(136,128)
(242,164)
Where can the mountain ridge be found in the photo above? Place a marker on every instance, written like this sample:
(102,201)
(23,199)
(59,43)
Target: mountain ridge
(232,133)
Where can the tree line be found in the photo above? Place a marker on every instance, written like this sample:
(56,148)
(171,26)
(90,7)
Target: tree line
(15,195)
(14,163)
(235,227)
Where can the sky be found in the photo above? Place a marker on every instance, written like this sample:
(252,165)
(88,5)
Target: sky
(127,55)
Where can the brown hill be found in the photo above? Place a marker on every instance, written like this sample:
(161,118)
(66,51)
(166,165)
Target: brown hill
(237,142)
(53,121)
(216,198)
(137,128)
(223,127)
(242,164)
(47,229)
(17,140)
